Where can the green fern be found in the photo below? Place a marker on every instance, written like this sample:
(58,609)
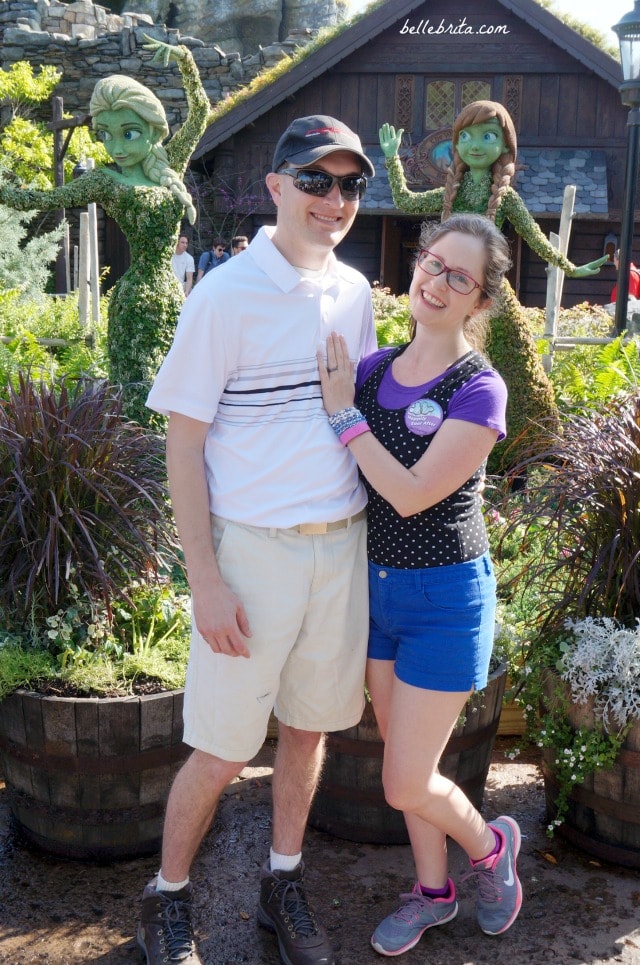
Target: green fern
(590,376)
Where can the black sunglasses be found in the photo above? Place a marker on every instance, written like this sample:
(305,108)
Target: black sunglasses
(319,183)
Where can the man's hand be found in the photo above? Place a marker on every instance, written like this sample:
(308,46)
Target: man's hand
(390,140)
(219,615)
(221,620)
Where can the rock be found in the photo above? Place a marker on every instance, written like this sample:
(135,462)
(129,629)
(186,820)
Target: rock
(240,25)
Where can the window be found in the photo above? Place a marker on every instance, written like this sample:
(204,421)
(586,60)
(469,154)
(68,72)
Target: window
(444,99)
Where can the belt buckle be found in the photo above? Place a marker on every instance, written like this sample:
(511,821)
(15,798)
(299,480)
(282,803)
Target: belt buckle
(312,529)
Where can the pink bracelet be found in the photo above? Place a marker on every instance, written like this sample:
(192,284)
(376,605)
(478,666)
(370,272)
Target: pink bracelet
(354,431)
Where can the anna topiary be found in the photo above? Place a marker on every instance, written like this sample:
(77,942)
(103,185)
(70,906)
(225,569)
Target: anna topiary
(531,407)
(479,180)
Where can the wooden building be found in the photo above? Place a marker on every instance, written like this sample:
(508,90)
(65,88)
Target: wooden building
(415,64)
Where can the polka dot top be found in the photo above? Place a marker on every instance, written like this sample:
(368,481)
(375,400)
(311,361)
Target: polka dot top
(452,531)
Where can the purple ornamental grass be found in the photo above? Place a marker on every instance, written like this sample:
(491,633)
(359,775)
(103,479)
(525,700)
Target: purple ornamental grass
(83,499)
(581,503)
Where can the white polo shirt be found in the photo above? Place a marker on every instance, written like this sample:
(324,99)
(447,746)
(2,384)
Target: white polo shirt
(244,360)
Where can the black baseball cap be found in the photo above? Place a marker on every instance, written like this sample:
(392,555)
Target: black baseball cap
(307,139)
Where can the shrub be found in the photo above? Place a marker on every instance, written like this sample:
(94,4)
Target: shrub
(392,316)
(582,500)
(29,322)
(83,504)
(581,509)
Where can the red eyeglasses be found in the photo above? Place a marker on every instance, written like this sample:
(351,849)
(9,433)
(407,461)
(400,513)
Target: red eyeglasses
(458,281)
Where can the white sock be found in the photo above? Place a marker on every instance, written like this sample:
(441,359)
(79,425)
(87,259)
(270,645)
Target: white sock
(284,862)
(163,885)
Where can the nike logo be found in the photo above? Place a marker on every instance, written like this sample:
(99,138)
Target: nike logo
(509,880)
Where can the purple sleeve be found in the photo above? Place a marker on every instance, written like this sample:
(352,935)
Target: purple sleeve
(483,401)
(367,365)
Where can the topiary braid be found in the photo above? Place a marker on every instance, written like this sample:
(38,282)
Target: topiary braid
(156,167)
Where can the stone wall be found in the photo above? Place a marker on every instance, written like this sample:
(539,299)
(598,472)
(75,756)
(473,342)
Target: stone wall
(87,42)
(241,25)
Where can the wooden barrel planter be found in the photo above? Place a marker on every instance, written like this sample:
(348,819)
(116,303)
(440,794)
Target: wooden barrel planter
(350,800)
(512,720)
(89,778)
(603,819)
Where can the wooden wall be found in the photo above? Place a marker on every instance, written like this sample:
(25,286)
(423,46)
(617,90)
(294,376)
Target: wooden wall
(563,104)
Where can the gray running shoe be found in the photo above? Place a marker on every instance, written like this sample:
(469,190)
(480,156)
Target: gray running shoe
(499,889)
(164,931)
(405,927)
(284,909)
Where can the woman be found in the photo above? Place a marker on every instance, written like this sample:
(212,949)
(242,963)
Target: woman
(145,194)
(479,180)
(428,415)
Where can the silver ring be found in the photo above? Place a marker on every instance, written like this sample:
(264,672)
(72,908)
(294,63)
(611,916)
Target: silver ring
(332,370)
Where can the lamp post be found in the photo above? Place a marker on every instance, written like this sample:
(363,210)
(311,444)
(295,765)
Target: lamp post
(628,31)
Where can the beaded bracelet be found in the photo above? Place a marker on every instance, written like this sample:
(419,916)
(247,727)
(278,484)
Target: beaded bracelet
(345,423)
(345,418)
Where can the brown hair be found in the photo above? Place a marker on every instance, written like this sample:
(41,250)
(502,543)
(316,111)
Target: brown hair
(479,112)
(496,265)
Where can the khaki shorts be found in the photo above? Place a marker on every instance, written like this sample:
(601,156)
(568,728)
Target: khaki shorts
(306,599)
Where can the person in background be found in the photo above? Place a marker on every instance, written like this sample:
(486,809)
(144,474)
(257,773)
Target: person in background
(429,413)
(183,264)
(216,256)
(238,244)
(271,515)
(634,279)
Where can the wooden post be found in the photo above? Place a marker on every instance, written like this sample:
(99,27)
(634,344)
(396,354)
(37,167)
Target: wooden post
(83,271)
(67,258)
(76,267)
(60,144)
(58,180)
(94,270)
(555,276)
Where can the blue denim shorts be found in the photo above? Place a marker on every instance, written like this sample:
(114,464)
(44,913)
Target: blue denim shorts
(437,623)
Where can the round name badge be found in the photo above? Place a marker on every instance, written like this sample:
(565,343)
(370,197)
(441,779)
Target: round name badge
(423,417)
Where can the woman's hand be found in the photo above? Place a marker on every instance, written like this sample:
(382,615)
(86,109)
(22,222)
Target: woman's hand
(336,375)
(390,139)
(163,53)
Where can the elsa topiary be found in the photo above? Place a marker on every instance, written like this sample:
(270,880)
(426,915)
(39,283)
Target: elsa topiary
(479,181)
(144,192)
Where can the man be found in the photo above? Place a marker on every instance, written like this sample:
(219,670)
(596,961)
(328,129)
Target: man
(213,258)
(238,244)
(634,279)
(183,264)
(278,571)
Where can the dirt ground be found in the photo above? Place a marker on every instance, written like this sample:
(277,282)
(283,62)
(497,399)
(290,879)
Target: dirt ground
(575,910)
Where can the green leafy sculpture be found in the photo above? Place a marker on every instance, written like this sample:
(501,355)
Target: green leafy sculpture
(479,181)
(144,192)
